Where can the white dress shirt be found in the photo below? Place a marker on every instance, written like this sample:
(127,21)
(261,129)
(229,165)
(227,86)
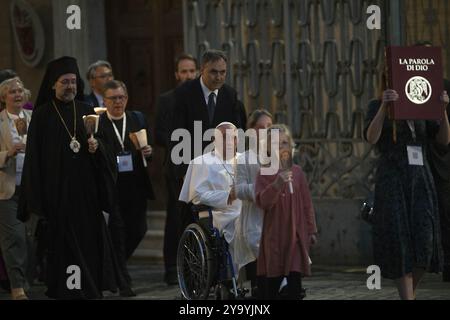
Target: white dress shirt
(207,92)
(99,99)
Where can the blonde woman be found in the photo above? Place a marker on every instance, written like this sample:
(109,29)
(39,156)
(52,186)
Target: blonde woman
(289,225)
(13,123)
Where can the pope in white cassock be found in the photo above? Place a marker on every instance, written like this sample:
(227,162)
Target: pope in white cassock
(210,181)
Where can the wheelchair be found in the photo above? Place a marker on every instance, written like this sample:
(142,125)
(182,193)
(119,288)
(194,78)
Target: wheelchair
(204,265)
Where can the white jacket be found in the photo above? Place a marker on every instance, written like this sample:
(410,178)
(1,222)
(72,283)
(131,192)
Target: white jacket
(250,222)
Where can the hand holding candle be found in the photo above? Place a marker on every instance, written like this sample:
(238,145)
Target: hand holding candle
(139,140)
(91,124)
(286,165)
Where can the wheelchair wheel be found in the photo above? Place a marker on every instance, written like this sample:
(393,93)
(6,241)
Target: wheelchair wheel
(196,266)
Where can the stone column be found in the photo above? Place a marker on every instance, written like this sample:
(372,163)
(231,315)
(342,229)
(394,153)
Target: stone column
(87,44)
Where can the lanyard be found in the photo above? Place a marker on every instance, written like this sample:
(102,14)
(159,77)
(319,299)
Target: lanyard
(412,127)
(121,139)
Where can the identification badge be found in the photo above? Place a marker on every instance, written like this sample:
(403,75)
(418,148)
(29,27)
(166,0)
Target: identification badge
(415,155)
(125,162)
(20,158)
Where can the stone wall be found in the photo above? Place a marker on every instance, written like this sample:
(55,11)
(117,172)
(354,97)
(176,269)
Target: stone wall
(9,55)
(87,44)
(344,239)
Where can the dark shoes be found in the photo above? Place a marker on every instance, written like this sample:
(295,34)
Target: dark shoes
(284,295)
(171,277)
(127,292)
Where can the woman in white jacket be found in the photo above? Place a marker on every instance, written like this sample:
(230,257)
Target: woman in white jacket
(14,121)
(250,222)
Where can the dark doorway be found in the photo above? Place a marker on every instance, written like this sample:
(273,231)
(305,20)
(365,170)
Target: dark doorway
(144,37)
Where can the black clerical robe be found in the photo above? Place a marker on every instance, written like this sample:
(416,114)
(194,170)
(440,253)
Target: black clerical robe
(133,188)
(67,190)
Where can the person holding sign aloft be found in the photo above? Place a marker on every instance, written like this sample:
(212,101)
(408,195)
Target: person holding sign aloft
(406,226)
(289,227)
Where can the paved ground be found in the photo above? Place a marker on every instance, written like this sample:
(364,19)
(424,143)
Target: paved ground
(327,283)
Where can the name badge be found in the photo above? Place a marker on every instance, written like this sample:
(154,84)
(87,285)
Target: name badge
(125,162)
(415,155)
(20,158)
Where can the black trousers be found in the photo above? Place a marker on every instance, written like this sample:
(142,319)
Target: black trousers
(250,269)
(132,205)
(178,218)
(116,228)
(268,288)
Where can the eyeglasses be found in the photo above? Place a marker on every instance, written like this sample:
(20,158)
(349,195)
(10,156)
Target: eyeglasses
(67,82)
(117,98)
(105,76)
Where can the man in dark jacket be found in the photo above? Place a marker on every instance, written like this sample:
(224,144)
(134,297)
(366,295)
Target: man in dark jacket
(185,69)
(207,100)
(99,73)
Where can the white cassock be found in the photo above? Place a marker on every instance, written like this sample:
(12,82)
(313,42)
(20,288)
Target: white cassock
(208,182)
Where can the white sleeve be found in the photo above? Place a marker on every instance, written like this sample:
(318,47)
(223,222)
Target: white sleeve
(244,190)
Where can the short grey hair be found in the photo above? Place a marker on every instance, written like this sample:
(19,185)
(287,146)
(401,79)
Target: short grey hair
(91,69)
(213,56)
(113,85)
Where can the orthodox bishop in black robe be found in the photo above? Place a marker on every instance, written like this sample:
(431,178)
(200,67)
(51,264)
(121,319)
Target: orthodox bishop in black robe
(64,184)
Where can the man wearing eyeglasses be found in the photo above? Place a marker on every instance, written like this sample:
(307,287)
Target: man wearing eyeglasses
(98,74)
(128,221)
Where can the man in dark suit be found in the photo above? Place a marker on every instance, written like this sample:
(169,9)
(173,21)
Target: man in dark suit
(185,69)
(207,99)
(98,74)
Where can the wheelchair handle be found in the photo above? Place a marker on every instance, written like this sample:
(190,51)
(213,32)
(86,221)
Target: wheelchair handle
(200,207)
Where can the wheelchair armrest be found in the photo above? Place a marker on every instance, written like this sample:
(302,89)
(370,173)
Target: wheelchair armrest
(199,208)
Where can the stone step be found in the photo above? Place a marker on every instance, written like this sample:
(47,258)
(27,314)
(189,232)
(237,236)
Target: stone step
(151,247)
(156,220)
(152,256)
(154,239)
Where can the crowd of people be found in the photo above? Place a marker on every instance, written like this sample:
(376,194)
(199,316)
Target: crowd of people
(73,194)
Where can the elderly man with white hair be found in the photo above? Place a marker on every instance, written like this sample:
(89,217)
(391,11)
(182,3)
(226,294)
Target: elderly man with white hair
(210,181)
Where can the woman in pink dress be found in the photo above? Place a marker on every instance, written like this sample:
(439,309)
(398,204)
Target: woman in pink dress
(289,227)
